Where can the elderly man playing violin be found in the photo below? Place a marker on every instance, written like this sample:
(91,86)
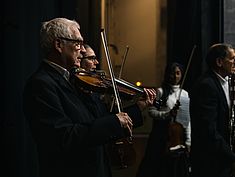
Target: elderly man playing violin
(69,132)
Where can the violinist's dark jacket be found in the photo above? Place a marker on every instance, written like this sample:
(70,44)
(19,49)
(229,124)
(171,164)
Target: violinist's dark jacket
(69,129)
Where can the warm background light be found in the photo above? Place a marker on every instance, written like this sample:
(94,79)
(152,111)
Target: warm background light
(146,42)
(138,83)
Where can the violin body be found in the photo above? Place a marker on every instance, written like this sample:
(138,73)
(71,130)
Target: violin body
(99,83)
(176,136)
(89,82)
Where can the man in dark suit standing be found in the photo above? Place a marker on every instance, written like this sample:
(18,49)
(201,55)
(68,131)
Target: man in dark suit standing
(69,133)
(210,116)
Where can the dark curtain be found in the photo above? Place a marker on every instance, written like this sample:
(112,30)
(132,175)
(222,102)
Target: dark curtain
(193,23)
(90,27)
(20,56)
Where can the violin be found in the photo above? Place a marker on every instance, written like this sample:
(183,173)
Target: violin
(176,132)
(98,82)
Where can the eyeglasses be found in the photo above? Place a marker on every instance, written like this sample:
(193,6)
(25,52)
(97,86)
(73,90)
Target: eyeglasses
(92,58)
(77,42)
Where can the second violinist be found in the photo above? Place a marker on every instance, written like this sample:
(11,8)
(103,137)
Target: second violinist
(98,104)
(89,63)
(89,60)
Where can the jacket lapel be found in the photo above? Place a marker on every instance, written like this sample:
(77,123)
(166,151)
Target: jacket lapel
(220,89)
(57,77)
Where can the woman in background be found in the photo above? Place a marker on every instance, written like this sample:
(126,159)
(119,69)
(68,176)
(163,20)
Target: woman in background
(164,156)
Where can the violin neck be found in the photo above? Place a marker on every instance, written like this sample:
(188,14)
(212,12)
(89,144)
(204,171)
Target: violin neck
(129,85)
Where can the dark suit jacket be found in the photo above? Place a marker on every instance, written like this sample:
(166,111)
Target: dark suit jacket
(70,137)
(211,153)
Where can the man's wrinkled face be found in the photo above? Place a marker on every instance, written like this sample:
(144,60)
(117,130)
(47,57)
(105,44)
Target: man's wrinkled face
(71,53)
(227,63)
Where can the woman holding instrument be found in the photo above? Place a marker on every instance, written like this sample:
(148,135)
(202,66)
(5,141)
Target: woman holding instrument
(169,140)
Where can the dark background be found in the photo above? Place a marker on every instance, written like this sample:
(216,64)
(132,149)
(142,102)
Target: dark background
(190,23)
